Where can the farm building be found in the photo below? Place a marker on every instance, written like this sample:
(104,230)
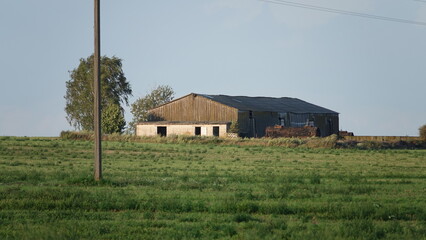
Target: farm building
(212,115)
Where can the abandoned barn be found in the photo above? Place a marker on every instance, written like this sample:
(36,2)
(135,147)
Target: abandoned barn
(212,115)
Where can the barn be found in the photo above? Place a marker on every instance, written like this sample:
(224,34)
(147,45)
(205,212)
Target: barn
(212,115)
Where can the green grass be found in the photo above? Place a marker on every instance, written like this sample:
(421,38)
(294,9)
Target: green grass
(190,191)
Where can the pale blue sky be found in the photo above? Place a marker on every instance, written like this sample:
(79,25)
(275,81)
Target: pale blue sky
(372,72)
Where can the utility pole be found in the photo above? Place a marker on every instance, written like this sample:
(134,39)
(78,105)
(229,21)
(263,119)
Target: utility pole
(97,91)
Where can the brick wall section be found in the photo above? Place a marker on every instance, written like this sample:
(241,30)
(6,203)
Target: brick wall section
(279,131)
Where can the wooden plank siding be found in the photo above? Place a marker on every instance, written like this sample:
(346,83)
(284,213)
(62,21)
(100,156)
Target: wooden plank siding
(194,107)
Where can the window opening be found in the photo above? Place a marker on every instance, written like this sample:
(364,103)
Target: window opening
(162,131)
(216,131)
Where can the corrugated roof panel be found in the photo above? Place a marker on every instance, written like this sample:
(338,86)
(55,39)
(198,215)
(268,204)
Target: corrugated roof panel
(268,104)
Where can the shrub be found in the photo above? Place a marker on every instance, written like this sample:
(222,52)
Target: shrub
(369,145)
(422,132)
(326,142)
(83,135)
(234,128)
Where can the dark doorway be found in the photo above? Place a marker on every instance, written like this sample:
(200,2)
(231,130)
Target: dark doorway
(216,131)
(197,131)
(162,131)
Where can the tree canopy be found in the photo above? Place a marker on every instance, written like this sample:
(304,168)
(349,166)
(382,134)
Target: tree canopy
(113,119)
(115,90)
(422,132)
(158,96)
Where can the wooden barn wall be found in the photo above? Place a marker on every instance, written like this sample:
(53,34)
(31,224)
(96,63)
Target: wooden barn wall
(194,108)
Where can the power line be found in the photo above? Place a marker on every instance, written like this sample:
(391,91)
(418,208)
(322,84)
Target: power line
(338,11)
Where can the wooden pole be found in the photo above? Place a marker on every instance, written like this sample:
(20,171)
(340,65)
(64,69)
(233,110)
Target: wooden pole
(97,91)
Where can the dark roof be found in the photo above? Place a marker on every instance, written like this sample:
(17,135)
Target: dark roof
(268,104)
(182,123)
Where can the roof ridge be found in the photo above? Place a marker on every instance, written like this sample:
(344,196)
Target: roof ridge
(203,94)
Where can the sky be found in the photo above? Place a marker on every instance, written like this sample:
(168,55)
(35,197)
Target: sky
(373,72)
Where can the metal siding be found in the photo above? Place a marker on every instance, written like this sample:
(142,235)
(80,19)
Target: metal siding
(244,123)
(322,122)
(299,120)
(264,120)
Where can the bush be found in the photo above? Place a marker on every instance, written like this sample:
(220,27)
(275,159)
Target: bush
(422,132)
(234,128)
(326,142)
(83,135)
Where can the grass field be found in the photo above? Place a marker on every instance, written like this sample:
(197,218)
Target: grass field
(187,191)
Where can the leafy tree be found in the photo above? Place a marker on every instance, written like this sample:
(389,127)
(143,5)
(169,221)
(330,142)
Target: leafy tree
(79,97)
(422,132)
(235,127)
(158,96)
(113,119)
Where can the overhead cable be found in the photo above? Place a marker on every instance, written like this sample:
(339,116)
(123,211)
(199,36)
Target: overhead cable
(338,11)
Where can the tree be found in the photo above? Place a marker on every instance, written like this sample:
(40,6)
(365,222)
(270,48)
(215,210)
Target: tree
(158,96)
(235,127)
(422,132)
(79,96)
(113,119)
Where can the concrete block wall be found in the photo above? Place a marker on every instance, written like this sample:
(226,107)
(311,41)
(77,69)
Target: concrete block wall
(181,129)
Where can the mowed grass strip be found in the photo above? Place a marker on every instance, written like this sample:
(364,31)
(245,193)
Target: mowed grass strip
(188,191)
